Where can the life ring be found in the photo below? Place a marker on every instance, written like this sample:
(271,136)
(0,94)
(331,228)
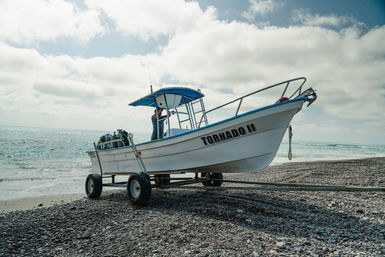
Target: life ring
(283,99)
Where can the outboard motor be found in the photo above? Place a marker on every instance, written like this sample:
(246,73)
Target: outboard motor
(123,135)
(116,140)
(104,139)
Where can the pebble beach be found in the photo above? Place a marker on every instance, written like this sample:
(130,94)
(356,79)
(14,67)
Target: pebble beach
(203,222)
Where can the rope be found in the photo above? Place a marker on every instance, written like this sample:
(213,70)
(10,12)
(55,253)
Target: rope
(290,155)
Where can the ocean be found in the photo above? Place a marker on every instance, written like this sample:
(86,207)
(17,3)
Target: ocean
(41,161)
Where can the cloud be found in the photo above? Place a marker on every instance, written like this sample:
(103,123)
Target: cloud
(67,88)
(151,18)
(259,7)
(52,89)
(346,66)
(305,18)
(29,22)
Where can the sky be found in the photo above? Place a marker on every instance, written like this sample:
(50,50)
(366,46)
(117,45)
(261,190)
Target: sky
(77,64)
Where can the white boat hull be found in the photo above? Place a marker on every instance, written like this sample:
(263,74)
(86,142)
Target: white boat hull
(245,143)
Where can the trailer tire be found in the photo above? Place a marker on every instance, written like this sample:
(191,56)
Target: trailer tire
(217,182)
(139,188)
(94,186)
(162,179)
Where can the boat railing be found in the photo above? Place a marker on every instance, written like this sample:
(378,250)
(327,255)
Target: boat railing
(297,92)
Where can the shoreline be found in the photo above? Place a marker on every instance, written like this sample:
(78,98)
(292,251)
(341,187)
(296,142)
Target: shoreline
(326,159)
(38,202)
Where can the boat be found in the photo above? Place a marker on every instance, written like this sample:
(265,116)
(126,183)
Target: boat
(247,141)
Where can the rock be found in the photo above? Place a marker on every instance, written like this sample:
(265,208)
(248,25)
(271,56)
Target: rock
(240,211)
(273,252)
(255,254)
(85,235)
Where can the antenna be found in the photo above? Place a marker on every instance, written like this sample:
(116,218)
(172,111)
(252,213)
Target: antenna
(149,73)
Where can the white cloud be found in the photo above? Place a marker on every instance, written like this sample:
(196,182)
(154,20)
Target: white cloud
(151,18)
(346,66)
(259,7)
(66,91)
(317,20)
(28,22)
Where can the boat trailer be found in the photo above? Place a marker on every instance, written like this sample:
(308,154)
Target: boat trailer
(139,186)
(257,186)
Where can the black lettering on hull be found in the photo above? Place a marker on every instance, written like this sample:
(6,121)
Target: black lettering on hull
(224,136)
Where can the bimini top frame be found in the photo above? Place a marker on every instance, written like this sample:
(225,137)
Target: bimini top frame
(155,99)
(172,98)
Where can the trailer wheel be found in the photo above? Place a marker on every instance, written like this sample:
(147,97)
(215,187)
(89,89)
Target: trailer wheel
(94,186)
(139,188)
(214,179)
(162,179)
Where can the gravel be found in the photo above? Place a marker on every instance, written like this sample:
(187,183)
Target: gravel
(216,223)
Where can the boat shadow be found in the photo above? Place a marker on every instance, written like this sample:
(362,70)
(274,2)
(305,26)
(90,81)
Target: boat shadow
(282,214)
(269,212)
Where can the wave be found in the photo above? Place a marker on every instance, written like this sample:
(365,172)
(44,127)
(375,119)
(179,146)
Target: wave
(342,145)
(26,179)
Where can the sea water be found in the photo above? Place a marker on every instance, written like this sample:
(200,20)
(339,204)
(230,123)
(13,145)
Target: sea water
(39,161)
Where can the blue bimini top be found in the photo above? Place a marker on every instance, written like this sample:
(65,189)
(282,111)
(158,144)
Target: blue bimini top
(187,95)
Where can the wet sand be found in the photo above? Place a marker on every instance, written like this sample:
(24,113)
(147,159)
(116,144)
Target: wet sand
(30,203)
(214,223)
